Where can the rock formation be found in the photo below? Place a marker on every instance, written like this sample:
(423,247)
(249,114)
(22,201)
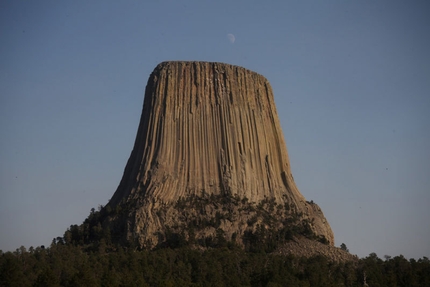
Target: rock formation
(207,131)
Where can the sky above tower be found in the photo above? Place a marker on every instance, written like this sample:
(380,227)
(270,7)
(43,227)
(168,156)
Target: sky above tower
(350,80)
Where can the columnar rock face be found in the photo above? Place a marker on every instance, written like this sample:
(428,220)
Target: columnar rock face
(207,129)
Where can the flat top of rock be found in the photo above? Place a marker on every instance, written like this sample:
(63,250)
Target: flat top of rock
(165,64)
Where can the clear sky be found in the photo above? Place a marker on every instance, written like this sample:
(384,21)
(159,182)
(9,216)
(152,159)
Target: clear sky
(351,81)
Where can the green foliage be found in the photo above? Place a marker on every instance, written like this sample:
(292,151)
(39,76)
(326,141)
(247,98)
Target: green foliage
(343,247)
(268,224)
(68,265)
(92,254)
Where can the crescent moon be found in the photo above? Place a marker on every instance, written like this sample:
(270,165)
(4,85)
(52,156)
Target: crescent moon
(231,38)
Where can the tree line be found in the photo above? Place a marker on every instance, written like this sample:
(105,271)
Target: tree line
(92,254)
(63,264)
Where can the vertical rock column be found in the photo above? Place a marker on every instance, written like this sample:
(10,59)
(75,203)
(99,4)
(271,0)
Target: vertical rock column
(210,128)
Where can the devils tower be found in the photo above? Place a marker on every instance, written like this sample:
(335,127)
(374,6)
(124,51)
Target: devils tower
(209,155)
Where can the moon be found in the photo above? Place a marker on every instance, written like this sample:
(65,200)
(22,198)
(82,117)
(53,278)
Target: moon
(231,38)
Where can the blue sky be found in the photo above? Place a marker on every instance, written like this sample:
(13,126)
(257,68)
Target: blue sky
(351,81)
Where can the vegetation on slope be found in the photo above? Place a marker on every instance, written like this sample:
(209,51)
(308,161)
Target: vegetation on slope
(93,254)
(204,221)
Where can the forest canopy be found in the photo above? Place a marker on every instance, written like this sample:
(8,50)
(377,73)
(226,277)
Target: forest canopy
(68,265)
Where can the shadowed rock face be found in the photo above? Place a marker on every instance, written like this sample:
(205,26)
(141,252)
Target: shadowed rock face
(207,128)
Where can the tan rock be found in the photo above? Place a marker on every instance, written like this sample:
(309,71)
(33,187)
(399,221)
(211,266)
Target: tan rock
(207,128)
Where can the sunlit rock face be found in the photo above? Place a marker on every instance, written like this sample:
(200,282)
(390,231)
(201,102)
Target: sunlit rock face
(206,129)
